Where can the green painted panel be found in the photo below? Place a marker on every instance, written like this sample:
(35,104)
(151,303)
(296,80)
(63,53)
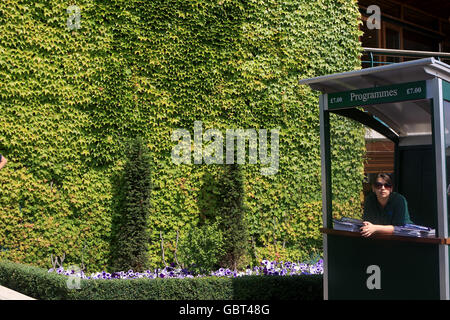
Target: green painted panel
(377,95)
(446,90)
(407,270)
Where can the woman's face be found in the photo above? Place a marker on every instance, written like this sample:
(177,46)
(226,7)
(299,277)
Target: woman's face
(382,189)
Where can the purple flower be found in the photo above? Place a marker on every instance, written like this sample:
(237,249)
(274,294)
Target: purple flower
(265,268)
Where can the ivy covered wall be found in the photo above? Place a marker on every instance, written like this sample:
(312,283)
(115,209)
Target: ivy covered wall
(71,97)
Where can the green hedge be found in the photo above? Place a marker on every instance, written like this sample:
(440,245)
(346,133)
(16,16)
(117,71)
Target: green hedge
(38,283)
(69,99)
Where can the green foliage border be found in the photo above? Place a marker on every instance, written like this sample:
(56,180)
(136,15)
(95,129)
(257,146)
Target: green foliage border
(38,283)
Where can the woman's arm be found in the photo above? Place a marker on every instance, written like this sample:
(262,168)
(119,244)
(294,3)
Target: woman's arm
(369,229)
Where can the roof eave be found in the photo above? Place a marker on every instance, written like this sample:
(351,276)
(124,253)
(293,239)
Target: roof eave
(427,67)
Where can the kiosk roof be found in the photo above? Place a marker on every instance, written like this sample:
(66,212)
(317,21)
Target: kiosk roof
(416,70)
(408,118)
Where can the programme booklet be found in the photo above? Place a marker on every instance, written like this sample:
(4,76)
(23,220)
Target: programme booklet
(410,230)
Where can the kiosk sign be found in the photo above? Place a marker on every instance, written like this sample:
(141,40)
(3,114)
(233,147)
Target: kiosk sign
(377,95)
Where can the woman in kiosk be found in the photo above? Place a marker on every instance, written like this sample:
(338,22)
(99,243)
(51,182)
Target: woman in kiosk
(383,208)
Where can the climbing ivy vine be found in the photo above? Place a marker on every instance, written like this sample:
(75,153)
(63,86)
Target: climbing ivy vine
(70,97)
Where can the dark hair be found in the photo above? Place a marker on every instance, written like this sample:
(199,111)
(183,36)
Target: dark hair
(385,176)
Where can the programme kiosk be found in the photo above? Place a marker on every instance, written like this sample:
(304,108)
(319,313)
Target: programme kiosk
(409,104)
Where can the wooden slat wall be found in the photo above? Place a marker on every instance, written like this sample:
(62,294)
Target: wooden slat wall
(380,157)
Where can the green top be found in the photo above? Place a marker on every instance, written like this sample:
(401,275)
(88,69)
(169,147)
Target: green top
(394,213)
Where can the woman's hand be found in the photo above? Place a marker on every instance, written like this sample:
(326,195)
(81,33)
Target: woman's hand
(368,229)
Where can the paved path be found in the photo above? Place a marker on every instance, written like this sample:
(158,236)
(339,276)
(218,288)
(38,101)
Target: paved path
(8,294)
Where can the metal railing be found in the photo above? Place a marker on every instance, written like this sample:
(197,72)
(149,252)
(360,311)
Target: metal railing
(372,52)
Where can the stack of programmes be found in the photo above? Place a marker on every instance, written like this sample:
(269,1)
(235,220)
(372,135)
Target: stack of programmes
(410,230)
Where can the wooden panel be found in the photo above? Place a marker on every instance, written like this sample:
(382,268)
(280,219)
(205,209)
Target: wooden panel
(406,270)
(379,157)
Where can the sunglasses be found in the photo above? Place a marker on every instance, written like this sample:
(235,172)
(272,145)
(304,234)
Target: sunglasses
(378,185)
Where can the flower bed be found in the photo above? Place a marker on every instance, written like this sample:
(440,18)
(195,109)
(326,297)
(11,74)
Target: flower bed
(266,268)
(269,281)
